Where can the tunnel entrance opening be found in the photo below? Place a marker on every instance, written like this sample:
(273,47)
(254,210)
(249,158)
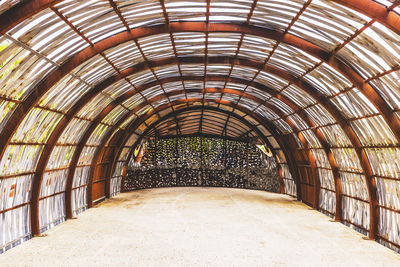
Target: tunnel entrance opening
(202,161)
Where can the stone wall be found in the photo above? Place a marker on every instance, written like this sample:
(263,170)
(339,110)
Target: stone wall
(196,161)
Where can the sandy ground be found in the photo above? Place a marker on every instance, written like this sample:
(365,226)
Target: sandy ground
(200,227)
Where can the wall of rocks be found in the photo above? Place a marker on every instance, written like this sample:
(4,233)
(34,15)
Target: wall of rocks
(201,161)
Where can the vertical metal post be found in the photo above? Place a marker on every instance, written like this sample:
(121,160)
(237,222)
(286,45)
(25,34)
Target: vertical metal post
(201,157)
(155,159)
(175,155)
(247,160)
(155,152)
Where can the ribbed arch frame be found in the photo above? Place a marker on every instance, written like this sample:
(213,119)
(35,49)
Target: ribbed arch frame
(307,88)
(120,138)
(34,190)
(190,108)
(379,13)
(203,122)
(76,60)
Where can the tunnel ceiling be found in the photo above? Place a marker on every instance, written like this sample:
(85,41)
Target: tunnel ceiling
(81,81)
(203,121)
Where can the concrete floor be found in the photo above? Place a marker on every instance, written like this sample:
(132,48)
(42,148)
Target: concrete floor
(200,227)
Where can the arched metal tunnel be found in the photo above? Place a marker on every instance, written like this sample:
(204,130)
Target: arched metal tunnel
(83,82)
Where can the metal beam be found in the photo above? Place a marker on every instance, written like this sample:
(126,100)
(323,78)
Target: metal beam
(327,148)
(375,11)
(249,15)
(295,18)
(191,108)
(17,116)
(86,98)
(370,8)
(149,115)
(26,9)
(311,160)
(23,11)
(290,159)
(68,117)
(194,122)
(366,167)
(132,129)
(112,41)
(87,134)
(119,14)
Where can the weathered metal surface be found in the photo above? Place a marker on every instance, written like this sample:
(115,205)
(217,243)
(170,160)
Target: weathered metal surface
(101,46)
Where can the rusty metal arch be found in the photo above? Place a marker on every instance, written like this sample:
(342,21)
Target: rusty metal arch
(161,120)
(285,38)
(367,170)
(377,12)
(121,140)
(202,107)
(308,122)
(372,9)
(277,111)
(18,115)
(313,92)
(363,161)
(86,98)
(105,112)
(290,160)
(178,92)
(389,117)
(211,117)
(26,9)
(79,149)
